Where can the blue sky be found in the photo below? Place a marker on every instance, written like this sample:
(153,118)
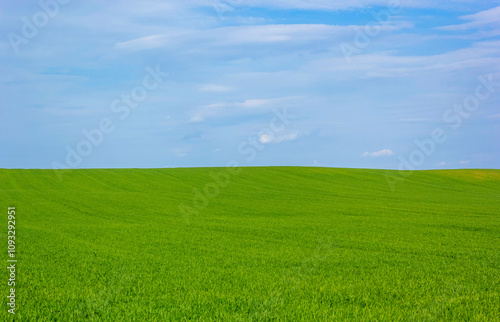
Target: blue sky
(365,83)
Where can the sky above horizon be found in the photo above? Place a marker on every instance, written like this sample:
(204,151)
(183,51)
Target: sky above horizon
(152,84)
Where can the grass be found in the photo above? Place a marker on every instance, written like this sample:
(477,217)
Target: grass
(287,244)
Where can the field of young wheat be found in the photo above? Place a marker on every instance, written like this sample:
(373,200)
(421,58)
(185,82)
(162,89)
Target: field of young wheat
(260,244)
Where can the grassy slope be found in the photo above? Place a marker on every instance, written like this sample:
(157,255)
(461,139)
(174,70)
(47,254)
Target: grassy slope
(287,243)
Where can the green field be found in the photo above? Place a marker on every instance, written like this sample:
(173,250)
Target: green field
(274,244)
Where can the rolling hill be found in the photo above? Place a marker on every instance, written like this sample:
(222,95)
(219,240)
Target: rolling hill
(251,244)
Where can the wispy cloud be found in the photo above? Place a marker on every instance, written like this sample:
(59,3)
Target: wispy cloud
(342,4)
(381,153)
(225,37)
(225,109)
(267,102)
(181,152)
(275,139)
(202,113)
(253,103)
(376,65)
(215,88)
(481,19)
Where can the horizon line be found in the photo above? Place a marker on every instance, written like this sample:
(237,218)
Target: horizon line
(259,166)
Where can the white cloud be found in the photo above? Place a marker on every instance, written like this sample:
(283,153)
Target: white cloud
(465,162)
(144,43)
(267,102)
(255,103)
(201,113)
(270,138)
(339,4)
(477,20)
(215,88)
(220,38)
(180,152)
(381,153)
(442,164)
(388,64)
(313,4)
(225,109)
